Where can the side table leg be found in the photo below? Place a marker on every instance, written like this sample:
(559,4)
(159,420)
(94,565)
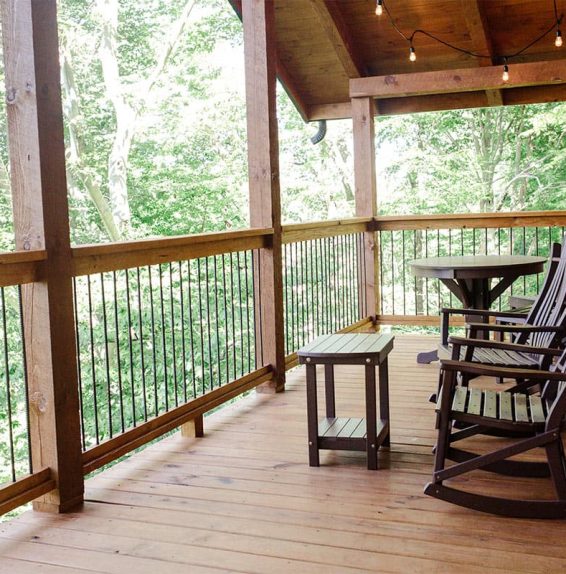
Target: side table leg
(329,391)
(312,416)
(371,416)
(384,399)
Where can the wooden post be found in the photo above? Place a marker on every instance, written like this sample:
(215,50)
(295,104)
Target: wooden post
(263,165)
(366,195)
(193,428)
(41,221)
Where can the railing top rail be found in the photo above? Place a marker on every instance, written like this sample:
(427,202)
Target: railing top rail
(470,220)
(90,259)
(319,229)
(20,267)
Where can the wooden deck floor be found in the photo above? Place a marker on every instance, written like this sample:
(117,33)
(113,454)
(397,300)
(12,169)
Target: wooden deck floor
(243,499)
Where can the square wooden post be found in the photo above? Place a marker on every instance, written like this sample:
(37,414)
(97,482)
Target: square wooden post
(263,165)
(41,221)
(363,110)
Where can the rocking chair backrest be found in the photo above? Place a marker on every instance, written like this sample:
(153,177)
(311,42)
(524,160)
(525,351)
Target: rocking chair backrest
(549,308)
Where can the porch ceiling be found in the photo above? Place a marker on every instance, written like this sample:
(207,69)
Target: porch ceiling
(322,44)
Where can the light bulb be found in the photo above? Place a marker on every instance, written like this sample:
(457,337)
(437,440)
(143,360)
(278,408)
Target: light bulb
(412,54)
(505,75)
(558,39)
(379,8)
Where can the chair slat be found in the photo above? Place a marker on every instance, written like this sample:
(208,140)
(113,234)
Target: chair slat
(537,410)
(459,402)
(474,404)
(490,404)
(505,408)
(521,413)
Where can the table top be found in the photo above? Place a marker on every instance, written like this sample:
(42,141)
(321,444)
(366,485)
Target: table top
(477,266)
(354,347)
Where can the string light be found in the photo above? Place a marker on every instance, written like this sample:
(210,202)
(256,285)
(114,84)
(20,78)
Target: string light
(505,75)
(382,7)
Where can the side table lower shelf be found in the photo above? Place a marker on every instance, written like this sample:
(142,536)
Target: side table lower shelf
(348,433)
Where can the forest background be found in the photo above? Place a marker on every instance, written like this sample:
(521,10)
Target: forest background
(156,136)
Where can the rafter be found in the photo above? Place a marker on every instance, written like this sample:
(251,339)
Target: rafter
(481,40)
(333,24)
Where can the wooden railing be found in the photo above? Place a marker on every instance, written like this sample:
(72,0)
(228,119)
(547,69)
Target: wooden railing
(168,329)
(405,299)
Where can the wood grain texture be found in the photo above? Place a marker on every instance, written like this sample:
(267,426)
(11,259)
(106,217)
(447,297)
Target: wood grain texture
(41,221)
(481,38)
(366,198)
(456,81)
(89,259)
(244,499)
(264,188)
(338,33)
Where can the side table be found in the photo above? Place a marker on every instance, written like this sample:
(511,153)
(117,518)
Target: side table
(339,433)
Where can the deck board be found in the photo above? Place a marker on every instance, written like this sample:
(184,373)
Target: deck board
(243,499)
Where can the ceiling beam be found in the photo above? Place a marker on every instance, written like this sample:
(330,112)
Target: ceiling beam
(481,40)
(544,73)
(282,74)
(443,102)
(332,22)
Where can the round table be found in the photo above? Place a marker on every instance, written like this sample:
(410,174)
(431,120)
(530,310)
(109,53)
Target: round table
(469,277)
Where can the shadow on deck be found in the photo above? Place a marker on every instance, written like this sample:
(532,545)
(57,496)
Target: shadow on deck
(243,499)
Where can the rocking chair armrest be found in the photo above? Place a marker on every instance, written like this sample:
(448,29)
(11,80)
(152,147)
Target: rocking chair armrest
(503,372)
(489,344)
(524,328)
(482,313)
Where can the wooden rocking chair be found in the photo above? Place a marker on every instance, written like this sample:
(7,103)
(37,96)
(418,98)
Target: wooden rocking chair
(540,419)
(544,326)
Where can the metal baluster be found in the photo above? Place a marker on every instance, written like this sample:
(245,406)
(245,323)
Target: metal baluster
(153,343)
(7,382)
(79,366)
(163,339)
(107,357)
(131,348)
(183,336)
(142,350)
(118,361)
(173,339)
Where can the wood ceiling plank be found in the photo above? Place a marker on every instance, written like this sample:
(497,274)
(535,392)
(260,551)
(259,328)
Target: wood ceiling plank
(481,38)
(333,24)
(456,81)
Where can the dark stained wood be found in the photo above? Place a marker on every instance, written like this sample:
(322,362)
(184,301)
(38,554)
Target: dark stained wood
(477,266)
(370,350)
(41,221)
(264,189)
(536,429)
